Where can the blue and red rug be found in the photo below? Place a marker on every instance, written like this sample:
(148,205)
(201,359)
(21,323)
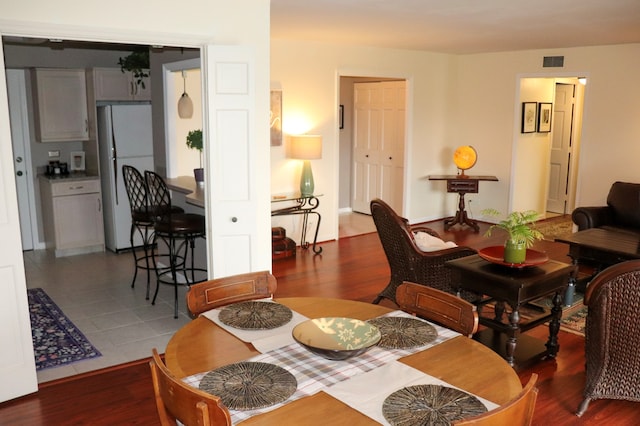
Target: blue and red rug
(56,340)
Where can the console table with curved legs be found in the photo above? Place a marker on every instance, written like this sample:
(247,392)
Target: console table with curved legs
(302,205)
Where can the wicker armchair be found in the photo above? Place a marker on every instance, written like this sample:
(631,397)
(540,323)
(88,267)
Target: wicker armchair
(408,263)
(612,335)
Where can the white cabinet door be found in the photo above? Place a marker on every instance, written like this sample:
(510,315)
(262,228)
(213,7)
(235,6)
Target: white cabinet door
(111,84)
(61,98)
(78,221)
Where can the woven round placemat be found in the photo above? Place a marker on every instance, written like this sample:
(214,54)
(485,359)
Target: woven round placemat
(403,332)
(255,315)
(430,405)
(249,385)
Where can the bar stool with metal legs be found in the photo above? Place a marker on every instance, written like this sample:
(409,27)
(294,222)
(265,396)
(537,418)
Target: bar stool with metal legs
(142,218)
(179,232)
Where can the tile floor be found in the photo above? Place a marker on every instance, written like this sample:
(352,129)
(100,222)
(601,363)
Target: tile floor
(94,291)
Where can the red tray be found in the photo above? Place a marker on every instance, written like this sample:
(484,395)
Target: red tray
(495,254)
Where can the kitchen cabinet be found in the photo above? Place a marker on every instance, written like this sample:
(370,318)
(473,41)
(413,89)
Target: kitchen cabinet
(111,84)
(61,105)
(72,215)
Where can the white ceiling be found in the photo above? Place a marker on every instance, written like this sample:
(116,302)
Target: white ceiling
(459,26)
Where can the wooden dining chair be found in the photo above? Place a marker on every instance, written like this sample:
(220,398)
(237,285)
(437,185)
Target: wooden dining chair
(518,411)
(177,401)
(443,308)
(218,292)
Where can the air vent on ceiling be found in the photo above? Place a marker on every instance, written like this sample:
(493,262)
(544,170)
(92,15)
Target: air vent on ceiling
(553,62)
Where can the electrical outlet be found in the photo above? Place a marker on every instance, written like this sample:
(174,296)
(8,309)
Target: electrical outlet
(53,154)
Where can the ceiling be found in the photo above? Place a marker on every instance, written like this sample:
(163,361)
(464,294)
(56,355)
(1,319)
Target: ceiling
(459,26)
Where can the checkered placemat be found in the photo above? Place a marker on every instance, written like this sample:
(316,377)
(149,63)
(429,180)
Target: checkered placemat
(315,373)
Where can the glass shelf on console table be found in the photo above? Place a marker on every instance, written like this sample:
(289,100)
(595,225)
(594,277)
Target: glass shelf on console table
(296,204)
(462,184)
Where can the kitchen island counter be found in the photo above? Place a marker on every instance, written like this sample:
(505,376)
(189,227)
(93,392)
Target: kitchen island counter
(194,193)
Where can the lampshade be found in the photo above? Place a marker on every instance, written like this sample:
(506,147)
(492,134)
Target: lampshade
(305,147)
(185,104)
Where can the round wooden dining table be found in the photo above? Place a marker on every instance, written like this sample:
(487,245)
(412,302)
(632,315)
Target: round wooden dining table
(202,346)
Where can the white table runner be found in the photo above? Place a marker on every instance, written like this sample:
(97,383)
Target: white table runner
(367,392)
(262,340)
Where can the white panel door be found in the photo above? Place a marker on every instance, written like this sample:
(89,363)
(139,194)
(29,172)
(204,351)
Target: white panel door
(230,143)
(562,121)
(17,364)
(379,133)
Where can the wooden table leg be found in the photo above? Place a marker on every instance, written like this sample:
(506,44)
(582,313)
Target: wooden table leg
(554,326)
(512,340)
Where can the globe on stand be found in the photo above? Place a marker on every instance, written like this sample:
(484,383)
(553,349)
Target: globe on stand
(464,158)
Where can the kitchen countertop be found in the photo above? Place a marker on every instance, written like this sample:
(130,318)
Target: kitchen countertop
(187,185)
(70,177)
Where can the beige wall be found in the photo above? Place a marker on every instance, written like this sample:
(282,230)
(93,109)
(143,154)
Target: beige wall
(459,100)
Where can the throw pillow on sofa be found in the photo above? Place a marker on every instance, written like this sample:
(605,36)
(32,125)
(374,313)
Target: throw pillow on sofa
(427,242)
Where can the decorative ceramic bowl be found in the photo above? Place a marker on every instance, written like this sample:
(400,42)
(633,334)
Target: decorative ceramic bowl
(336,338)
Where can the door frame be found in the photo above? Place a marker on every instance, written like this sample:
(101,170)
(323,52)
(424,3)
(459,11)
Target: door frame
(574,178)
(408,123)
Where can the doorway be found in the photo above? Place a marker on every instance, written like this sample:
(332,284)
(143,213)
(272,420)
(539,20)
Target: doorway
(565,141)
(375,166)
(538,177)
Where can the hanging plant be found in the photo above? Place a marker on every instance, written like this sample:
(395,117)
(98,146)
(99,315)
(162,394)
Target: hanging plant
(137,62)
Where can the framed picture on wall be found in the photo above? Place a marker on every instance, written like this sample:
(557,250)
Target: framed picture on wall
(528,117)
(544,117)
(275,118)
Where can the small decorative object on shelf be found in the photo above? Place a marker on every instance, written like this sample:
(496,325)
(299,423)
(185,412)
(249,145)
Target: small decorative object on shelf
(521,233)
(194,141)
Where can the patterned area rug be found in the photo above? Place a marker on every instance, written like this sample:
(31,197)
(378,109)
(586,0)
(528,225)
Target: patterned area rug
(555,227)
(575,322)
(56,340)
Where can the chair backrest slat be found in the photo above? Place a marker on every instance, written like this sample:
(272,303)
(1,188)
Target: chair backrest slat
(218,292)
(443,308)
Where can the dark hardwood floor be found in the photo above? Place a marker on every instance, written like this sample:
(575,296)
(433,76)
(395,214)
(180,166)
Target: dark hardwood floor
(352,268)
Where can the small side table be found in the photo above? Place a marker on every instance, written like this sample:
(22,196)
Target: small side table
(462,184)
(516,287)
(302,205)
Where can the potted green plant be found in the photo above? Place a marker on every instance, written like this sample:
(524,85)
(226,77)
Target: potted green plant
(137,62)
(194,141)
(521,233)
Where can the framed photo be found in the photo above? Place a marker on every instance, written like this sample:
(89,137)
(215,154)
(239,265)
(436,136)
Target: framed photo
(341,116)
(76,161)
(528,117)
(275,118)
(544,117)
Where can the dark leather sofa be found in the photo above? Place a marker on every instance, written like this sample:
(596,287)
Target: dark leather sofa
(621,213)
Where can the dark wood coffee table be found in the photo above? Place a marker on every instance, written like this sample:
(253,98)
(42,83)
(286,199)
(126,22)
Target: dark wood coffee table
(516,287)
(602,247)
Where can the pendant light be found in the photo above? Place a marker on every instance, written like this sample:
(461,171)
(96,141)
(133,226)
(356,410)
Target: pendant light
(185,104)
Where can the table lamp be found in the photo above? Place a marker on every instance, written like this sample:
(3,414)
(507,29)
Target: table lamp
(306,147)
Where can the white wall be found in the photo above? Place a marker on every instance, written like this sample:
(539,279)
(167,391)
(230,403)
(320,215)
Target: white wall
(460,100)
(488,111)
(309,76)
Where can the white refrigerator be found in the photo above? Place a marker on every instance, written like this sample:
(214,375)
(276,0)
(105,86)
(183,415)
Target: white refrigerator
(124,137)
